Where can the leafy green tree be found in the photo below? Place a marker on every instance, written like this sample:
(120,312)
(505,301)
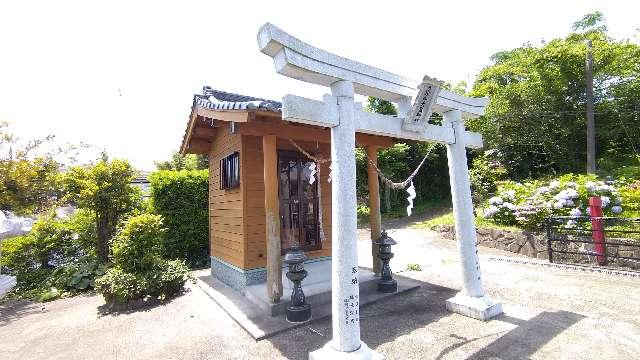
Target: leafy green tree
(399,161)
(184,162)
(536,117)
(591,22)
(484,175)
(105,188)
(47,241)
(27,184)
(460,88)
(56,253)
(380,106)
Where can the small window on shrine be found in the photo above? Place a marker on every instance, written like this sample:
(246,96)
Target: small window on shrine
(230,171)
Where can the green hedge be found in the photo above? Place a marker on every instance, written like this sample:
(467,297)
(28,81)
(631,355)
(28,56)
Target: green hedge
(181,197)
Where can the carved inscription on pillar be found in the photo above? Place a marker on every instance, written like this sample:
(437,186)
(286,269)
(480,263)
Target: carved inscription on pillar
(351,304)
(351,313)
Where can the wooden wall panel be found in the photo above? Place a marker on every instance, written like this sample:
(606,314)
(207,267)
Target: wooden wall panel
(226,226)
(254,227)
(237,216)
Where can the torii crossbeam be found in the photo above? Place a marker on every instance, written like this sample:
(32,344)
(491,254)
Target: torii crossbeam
(299,60)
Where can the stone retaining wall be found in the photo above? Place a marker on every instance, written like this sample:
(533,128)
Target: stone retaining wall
(525,243)
(534,245)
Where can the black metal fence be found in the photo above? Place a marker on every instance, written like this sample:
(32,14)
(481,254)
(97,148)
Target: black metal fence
(604,241)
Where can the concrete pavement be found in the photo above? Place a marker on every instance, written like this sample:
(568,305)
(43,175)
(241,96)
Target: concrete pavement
(549,314)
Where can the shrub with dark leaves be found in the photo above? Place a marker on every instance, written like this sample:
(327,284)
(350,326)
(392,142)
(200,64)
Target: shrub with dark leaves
(140,270)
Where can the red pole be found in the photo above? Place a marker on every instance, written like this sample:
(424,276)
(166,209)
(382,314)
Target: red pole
(597,228)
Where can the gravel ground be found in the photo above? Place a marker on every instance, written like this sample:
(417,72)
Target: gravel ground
(550,313)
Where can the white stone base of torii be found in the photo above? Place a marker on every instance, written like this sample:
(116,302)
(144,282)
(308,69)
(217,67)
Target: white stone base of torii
(345,77)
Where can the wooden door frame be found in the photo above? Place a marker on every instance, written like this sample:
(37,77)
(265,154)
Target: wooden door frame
(300,158)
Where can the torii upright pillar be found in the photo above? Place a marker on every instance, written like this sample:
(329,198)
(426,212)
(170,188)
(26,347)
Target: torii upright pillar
(471,301)
(345,291)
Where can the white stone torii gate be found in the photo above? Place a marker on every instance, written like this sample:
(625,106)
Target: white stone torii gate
(299,60)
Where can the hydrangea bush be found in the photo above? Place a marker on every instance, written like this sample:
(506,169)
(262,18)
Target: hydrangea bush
(528,204)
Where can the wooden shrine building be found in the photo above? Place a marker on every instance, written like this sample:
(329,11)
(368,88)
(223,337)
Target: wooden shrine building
(262,200)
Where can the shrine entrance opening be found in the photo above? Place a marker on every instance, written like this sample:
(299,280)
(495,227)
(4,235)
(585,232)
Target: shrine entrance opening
(298,196)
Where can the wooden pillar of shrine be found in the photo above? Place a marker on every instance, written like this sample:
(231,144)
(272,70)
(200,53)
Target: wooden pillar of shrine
(374,205)
(272,218)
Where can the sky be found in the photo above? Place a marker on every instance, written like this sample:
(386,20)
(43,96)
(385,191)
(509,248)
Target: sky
(120,75)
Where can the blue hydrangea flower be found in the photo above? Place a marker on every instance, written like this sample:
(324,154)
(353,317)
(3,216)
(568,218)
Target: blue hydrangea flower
(490,211)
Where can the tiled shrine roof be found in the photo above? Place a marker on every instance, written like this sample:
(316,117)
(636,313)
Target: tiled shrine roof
(222,100)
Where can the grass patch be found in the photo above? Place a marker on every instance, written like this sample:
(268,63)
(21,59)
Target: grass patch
(446,218)
(421,208)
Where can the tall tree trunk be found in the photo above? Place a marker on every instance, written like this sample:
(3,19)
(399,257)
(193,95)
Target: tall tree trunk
(104,235)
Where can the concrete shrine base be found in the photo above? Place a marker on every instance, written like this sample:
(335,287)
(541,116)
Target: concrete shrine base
(481,308)
(259,321)
(316,287)
(327,352)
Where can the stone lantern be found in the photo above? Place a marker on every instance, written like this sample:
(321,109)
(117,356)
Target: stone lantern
(386,284)
(298,310)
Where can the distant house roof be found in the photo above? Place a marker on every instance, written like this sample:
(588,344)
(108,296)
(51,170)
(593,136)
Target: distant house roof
(142,177)
(222,100)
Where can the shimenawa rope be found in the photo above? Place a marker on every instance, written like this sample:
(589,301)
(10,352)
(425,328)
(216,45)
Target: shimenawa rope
(386,180)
